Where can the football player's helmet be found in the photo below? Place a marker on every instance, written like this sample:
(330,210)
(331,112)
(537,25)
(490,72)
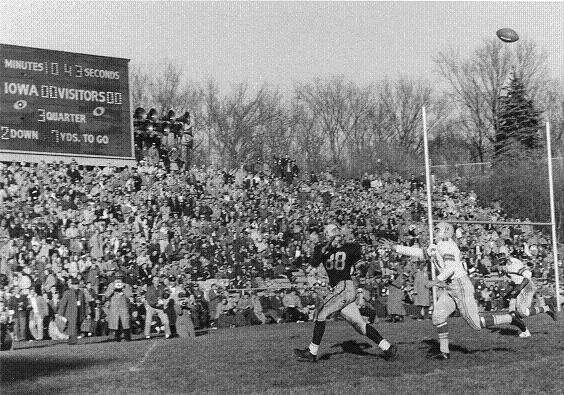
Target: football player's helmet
(331,231)
(444,230)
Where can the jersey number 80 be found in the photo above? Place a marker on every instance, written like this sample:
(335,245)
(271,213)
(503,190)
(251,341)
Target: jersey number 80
(336,261)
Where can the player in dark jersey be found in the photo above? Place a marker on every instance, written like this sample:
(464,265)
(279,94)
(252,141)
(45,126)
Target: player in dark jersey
(339,259)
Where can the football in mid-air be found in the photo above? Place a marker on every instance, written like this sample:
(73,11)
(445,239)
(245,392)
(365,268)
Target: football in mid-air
(507,35)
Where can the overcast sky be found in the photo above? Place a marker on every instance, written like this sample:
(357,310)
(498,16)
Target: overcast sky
(281,42)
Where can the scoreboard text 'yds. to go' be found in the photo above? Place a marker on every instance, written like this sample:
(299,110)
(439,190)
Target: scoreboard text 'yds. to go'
(63,103)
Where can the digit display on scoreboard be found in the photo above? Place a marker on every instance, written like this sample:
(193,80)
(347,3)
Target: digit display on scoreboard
(64,103)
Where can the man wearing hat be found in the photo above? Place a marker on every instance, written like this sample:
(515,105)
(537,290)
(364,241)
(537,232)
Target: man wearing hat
(156,299)
(73,307)
(119,294)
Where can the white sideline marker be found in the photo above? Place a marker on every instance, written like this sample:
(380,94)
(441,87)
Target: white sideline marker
(137,367)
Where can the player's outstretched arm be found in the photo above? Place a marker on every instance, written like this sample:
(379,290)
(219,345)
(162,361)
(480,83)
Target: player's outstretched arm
(403,250)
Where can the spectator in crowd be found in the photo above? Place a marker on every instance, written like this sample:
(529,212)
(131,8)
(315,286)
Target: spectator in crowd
(226,312)
(272,305)
(6,325)
(119,295)
(156,300)
(256,307)
(420,292)
(309,300)
(73,308)
(293,307)
(246,307)
(99,322)
(37,314)
(18,304)
(185,325)
(213,301)
(394,305)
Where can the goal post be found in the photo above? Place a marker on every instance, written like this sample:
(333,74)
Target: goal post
(429,191)
(552,222)
(552,216)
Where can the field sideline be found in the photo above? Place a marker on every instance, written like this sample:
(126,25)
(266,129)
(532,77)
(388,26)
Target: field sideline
(259,360)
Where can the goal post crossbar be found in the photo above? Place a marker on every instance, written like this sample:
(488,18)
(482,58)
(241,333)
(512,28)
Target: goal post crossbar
(453,221)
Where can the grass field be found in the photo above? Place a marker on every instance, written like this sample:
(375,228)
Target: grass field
(259,360)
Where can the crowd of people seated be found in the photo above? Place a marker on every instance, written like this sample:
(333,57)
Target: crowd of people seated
(223,247)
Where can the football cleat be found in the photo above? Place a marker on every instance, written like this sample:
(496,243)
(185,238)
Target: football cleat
(525,334)
(552,311)
(439,356)
(391,352)
(305,355)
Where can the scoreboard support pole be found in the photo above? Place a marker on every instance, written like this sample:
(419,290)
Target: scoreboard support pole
(429,192)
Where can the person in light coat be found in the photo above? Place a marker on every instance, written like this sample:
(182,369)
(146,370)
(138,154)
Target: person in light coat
(39,310)
(119,294)
(421,293)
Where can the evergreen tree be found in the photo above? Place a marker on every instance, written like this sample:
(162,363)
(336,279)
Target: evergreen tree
(519,122)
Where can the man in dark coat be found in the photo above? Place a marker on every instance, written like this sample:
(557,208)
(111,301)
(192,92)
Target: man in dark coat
(156,299)
(19,304)
(73,307)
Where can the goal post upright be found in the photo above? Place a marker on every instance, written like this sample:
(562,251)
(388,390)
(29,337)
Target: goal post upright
(552,216)
(429,191)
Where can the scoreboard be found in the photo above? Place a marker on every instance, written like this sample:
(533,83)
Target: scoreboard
(64,104)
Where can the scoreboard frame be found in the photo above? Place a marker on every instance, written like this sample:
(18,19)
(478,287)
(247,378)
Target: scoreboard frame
(57,105)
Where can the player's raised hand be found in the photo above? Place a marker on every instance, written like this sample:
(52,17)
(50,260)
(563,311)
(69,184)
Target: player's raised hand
(386,243)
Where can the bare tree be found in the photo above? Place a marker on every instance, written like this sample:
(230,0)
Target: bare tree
(139,87)
(209,116)
(170,90)
(308,141)
(552,102)
(476,84)
(164,89)
(403,101)
(239,123)
(338,107)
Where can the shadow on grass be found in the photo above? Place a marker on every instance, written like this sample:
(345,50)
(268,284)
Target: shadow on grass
(349,347)
(505,331)
(433,347)
(16,368)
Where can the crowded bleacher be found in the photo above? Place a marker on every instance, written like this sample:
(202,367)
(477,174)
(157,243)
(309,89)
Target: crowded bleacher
(208,248)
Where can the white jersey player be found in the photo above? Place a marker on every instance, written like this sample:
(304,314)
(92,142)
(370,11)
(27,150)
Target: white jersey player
(456,289)
(520,295)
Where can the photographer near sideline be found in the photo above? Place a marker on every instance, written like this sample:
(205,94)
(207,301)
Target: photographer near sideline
(119,294)
(184,324)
